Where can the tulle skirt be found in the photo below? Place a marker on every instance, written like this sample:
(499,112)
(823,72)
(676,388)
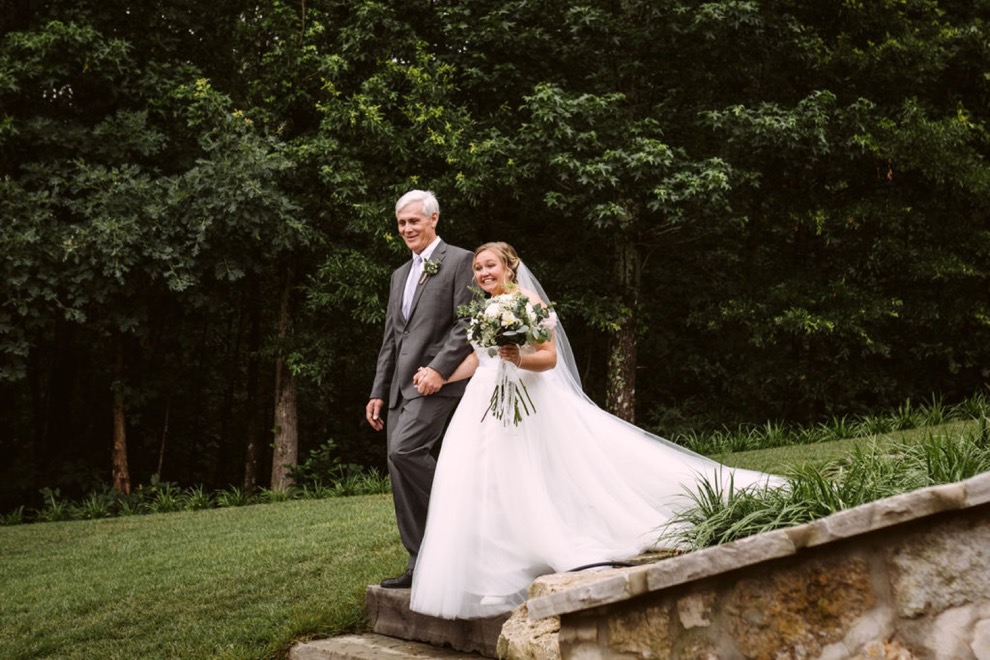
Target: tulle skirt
(569,486)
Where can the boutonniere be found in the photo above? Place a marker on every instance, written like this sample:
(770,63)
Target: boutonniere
(430,268)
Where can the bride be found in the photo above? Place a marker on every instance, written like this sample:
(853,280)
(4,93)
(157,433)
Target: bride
(568,486)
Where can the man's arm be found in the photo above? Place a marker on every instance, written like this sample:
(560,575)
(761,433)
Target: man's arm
(384,370)
(385,367)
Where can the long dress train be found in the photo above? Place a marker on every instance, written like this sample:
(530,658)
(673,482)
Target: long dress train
(570,485)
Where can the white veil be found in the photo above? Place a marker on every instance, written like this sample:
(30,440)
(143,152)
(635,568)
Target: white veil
(566,372)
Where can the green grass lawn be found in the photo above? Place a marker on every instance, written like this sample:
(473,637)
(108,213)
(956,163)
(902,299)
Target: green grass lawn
(225,583)
(779,459)
(241,582)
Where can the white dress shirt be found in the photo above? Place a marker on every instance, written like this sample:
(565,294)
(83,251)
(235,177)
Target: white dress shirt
(414,274)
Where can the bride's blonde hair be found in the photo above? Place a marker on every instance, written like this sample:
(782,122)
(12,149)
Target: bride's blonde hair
(506,254)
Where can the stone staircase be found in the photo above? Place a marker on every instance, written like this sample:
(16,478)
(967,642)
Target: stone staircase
(904,577)
(399,633)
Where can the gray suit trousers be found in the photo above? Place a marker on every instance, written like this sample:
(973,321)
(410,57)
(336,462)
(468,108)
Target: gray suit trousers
(413,428)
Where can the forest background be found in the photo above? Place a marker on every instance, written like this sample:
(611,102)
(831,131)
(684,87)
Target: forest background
(743,210)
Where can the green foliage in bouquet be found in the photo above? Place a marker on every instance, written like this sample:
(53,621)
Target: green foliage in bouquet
(508,318)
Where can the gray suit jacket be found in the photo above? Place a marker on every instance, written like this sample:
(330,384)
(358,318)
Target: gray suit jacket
(433,335)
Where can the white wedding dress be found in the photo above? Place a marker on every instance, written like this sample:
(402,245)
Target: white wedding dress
(570,485)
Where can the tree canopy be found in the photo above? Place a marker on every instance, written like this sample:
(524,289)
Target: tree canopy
(743,210)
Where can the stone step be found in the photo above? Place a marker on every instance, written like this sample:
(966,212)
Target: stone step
(372,647)
(389,614)
(399,633)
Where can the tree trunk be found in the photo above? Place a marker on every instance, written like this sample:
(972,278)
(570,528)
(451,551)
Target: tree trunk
(286,430)
(620,398)
(286,444)
(121,472)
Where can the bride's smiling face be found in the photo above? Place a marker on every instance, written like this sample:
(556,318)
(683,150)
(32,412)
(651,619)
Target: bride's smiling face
(490,273)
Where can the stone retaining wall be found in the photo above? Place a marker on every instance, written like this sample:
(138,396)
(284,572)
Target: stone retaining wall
(905,577)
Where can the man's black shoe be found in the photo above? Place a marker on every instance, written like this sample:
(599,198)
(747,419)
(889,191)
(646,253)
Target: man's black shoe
(404,581)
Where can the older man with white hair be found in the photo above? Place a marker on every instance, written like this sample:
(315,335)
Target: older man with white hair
(423,335)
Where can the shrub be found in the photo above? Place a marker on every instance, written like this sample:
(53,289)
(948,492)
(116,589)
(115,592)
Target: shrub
(320,466)
(323,471)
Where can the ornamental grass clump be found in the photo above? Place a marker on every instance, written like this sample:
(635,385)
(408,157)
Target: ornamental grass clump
(232,497)
(166,497)
(94,506)
(718,514)
(975,407)
(55,508)
(837,428)
(363,482)
(197,498)
(944,460)
(771,434)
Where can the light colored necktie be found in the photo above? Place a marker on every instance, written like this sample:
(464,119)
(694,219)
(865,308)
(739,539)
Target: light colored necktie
(411,282)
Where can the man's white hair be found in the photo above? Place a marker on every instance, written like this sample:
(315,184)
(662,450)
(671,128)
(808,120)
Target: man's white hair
(429,200)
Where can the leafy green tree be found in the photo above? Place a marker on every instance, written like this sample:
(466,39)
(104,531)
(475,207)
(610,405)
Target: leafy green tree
(730,155)
(136,187)
(742,210)
(865,188)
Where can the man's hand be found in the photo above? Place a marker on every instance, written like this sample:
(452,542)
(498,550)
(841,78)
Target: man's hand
(373,413)
(427,381)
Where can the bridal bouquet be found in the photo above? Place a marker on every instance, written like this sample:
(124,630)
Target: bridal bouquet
(508,318)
